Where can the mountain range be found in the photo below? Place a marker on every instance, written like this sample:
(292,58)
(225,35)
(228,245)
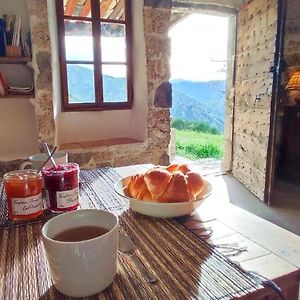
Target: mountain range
(191,100)
(199,101)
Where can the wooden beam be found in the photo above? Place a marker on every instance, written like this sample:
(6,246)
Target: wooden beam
(86,9)
(70,8)
(105,4)
(117,11)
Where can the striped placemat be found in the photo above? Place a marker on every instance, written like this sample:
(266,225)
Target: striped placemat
(186,266)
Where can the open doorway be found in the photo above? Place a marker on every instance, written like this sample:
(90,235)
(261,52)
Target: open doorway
(200,59)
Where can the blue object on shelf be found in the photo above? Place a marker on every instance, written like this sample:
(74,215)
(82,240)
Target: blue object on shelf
(2,37)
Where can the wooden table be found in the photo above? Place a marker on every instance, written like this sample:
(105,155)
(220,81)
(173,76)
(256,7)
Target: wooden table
(271,251)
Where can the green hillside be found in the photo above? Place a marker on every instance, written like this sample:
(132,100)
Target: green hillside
(193,101)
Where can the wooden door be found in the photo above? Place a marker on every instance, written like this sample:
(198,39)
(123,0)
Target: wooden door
(256,80)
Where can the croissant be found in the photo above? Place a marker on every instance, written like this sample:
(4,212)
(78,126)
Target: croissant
(174,183)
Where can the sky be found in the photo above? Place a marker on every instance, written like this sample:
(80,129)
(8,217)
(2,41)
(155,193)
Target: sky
(198,48)
(196,42)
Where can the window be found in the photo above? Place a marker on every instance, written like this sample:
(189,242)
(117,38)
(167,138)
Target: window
(95,54)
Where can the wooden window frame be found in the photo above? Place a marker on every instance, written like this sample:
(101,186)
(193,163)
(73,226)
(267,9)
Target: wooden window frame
(96,21)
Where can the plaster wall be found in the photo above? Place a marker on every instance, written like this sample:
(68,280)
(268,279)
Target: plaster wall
(17,130)
(90,126)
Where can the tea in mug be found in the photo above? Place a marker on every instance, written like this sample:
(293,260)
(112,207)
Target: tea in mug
(82,233)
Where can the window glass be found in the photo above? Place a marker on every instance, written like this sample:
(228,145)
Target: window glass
(114,83)
(78,40)
(113,42)
(81,83)
(95,65)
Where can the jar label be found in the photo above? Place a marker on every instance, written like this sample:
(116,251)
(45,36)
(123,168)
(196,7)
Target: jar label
(28,205)
(68,198)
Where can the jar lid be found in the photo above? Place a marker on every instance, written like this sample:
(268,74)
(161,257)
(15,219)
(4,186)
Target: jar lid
(22,175)
(61,169)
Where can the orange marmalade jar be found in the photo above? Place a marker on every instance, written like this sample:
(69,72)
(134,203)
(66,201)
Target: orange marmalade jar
(23,190)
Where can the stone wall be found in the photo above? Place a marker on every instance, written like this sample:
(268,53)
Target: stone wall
(256,31)
(41,61)
(155,148)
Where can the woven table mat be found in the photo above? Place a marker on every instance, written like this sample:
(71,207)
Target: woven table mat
(186,267)
(96,191)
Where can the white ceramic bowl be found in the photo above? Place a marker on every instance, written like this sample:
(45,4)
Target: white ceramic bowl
(162,210)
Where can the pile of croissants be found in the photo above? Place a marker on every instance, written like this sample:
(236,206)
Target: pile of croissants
(173,183)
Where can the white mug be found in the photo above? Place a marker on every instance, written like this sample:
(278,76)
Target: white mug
(84,268)
(35,161)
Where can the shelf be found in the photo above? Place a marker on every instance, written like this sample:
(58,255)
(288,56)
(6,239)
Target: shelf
(14,60)
(18,96)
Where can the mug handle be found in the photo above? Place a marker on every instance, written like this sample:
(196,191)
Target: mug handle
(25,164)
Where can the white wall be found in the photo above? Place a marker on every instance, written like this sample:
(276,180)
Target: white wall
(18,132)
(88,126)
(55,64)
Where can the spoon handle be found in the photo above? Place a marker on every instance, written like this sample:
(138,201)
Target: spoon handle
(50,155)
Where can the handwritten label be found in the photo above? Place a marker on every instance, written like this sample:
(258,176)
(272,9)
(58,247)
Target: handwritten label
(68,198)
(28,205)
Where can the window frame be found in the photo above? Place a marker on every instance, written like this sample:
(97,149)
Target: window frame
(96,20)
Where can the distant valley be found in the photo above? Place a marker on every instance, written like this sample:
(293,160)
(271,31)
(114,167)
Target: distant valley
(199,101)
(193,101)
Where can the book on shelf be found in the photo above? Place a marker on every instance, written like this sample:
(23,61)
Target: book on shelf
(3,86)
(15,90)
(7,89)
(14,41)
(2,37)
(9,21)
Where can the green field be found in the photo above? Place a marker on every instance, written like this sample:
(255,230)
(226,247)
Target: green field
(195,145)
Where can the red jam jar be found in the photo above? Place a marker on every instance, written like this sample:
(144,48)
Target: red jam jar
(62,186)
(23,189)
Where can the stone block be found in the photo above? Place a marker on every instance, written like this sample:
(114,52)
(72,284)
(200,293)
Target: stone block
(38,8)
(158,69)
(163,95)
(103,155)
(40,36)
(158,117)
(156,20)
(11,165)
(46,126)
(44,76)
(81,158)
(157,46)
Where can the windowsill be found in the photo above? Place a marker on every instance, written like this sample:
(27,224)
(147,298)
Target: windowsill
(88,145)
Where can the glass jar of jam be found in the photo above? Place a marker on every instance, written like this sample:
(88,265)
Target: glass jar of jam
(61,185)
(23,190)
